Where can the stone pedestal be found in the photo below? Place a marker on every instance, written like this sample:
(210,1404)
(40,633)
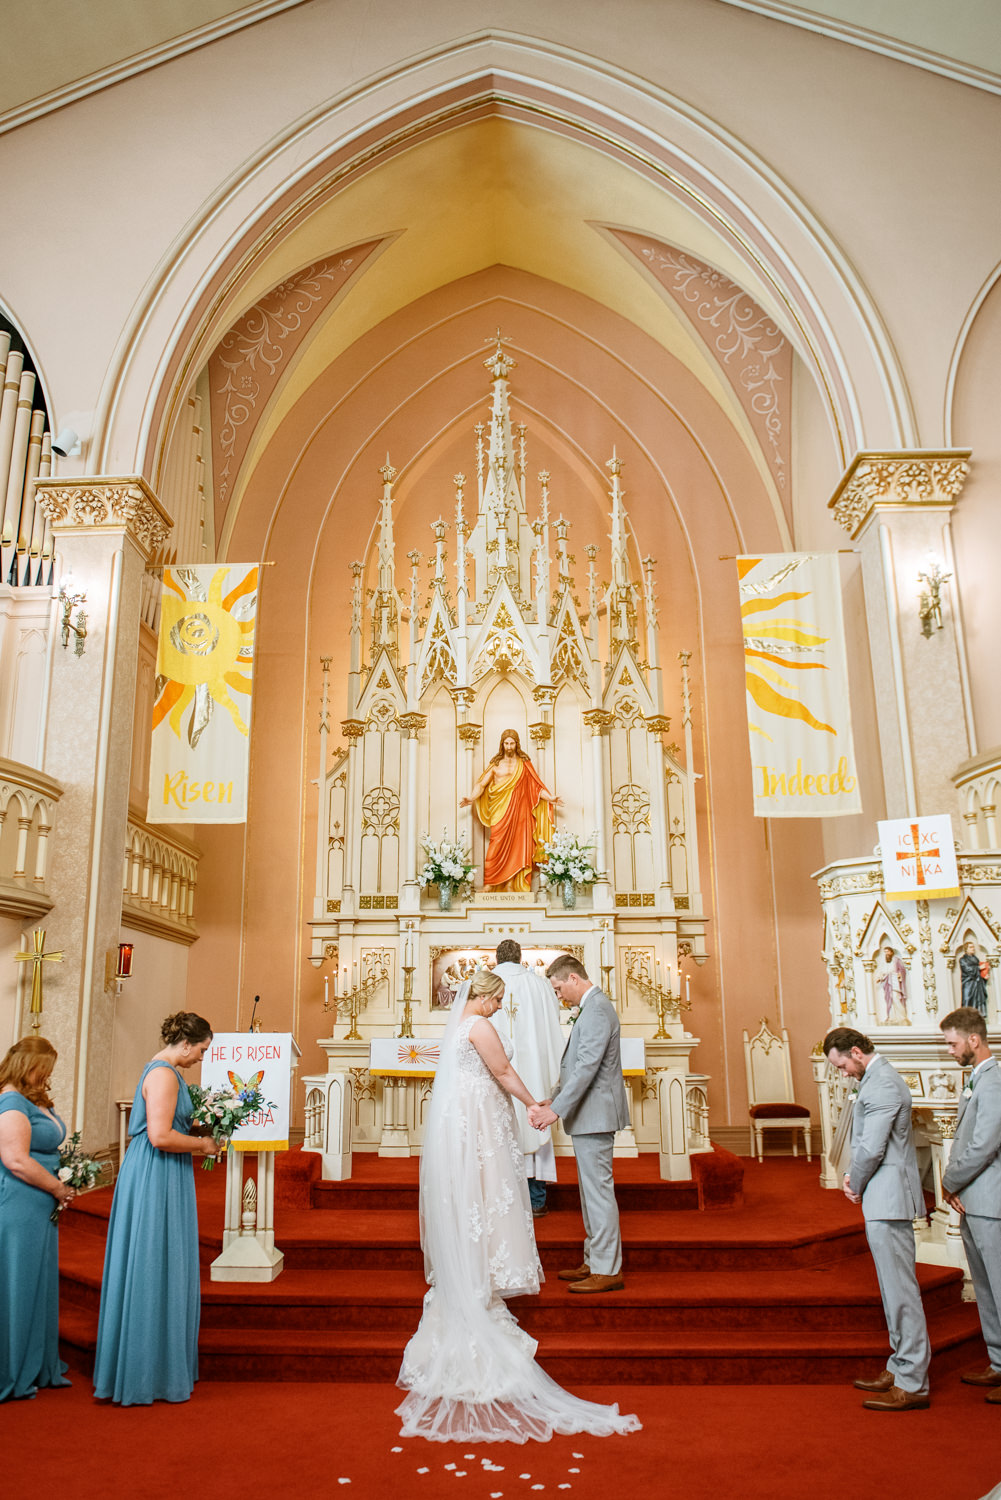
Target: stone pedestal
(105,531)
(248,1237)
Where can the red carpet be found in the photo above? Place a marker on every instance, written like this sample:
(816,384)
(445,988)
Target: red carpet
(778,1289)
(717,1443)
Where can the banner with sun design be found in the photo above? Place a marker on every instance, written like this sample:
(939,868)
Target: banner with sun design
(199,754)
(796,676)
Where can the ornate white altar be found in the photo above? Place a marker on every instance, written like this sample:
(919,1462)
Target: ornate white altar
(928,937)
(499,640)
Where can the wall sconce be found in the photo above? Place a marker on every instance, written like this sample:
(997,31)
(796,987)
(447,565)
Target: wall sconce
(78,627)
(118,966)
(930,602)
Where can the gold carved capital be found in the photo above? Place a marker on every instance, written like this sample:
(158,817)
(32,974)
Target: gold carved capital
(599,720)
(899,481)
(412,724)
(106,504)
(469,734)
(352,729)
(544,695)
(658,723)
(540,732)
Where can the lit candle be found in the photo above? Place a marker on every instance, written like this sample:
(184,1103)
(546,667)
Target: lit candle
(326,992)
(688,988)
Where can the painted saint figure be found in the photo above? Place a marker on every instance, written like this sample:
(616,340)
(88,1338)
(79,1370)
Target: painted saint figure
(892,980)
(974,974)
(512,802)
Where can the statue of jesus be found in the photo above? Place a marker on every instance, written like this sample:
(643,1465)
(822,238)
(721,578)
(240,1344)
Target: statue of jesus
(512,802)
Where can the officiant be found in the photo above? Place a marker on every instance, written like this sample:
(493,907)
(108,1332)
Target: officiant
(530,1018)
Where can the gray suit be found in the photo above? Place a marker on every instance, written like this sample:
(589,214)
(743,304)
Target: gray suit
(884,1172)
(974,1172)
(592,1104)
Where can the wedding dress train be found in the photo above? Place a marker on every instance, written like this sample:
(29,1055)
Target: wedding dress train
(470,1370)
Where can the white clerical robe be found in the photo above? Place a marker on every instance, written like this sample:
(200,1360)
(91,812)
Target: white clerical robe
(529,1017)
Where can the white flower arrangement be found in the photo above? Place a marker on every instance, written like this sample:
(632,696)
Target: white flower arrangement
(223,1110)
(446,863)
(76,1168)
(567,858)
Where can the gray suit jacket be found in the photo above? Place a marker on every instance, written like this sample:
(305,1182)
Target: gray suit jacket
(884,1167)
(974,1169)
(592,1095)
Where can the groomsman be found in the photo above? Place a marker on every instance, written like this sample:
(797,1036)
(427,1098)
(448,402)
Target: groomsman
(884,1178)
(971,1183)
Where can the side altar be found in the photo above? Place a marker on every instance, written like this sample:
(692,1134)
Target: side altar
(494,638)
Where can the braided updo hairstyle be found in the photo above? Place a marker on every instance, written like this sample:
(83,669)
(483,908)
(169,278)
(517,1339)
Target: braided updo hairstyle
(185,1026)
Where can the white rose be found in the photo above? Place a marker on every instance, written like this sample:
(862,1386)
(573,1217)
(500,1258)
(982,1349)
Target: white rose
(64,1174)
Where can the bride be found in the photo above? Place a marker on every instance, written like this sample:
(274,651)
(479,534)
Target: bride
(470,1370)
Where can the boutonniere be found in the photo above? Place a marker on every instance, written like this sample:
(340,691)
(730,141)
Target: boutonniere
(968,1091)
(573,1013)
(853,1093)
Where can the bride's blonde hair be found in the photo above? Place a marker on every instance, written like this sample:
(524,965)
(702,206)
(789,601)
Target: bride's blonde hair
(484,982)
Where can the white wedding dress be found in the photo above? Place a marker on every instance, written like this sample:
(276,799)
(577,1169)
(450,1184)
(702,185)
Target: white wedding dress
(470,1370)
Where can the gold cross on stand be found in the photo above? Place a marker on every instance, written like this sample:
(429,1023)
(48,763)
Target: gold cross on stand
(37,958)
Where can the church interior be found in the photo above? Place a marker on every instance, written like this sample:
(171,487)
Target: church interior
(495,335)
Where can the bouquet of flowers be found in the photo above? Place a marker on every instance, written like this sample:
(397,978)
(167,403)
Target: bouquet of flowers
(446,863)
(567,858)
(223,1111)
(76,1169)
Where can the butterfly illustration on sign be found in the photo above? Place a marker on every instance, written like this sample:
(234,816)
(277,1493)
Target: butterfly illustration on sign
(253,1082)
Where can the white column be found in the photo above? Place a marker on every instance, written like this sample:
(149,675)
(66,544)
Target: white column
(599,720)
(106,530)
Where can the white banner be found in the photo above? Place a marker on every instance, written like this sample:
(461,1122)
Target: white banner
(798,713)
(199,752)
(255,1059)
(919,858)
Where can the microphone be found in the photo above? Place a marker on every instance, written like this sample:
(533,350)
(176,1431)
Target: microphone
(253,1012)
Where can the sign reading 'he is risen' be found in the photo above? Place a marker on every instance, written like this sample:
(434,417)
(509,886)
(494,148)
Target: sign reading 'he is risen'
(255,1059)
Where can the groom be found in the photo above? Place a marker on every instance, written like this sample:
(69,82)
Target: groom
(591,1101)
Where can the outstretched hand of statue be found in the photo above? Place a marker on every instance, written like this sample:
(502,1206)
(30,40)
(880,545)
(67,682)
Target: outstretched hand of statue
(465,801)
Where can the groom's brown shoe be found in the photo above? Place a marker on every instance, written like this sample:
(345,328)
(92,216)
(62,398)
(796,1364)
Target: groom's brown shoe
(878,1384)
(990,1376)
(579,1274)
(598,1284)
(897,1400)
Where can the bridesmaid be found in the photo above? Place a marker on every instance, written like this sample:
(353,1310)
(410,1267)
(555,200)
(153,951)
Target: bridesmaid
(30,1136)
(147,1333)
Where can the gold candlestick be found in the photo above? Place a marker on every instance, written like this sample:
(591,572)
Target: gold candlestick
(407,1024)
(355,1001)
(663,1001)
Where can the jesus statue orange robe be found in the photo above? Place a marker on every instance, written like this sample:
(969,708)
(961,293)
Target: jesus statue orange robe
(520,819)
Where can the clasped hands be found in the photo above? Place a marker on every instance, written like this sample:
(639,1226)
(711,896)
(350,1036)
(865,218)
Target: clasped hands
(540,1115)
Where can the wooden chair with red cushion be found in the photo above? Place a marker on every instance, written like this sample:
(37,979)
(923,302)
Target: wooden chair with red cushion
(769,1090)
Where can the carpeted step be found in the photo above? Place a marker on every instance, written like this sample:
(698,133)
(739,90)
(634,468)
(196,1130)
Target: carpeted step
(574,1358)
(780,1289)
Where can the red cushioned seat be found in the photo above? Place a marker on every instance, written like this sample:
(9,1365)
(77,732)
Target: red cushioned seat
(779,1111)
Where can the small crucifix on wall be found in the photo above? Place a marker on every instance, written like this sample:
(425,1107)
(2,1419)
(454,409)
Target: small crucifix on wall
(37,957)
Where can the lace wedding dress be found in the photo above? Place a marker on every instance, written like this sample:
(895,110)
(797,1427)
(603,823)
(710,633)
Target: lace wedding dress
(470,1370)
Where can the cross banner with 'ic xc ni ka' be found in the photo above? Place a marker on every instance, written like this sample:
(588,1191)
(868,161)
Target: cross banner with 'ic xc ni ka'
(919,858)
(199,753)
(796,679)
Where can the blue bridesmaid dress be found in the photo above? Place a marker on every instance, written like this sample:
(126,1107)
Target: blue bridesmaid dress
(29,1264)
(147,1334)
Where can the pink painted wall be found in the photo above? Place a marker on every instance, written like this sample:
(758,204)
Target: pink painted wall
(416,386)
